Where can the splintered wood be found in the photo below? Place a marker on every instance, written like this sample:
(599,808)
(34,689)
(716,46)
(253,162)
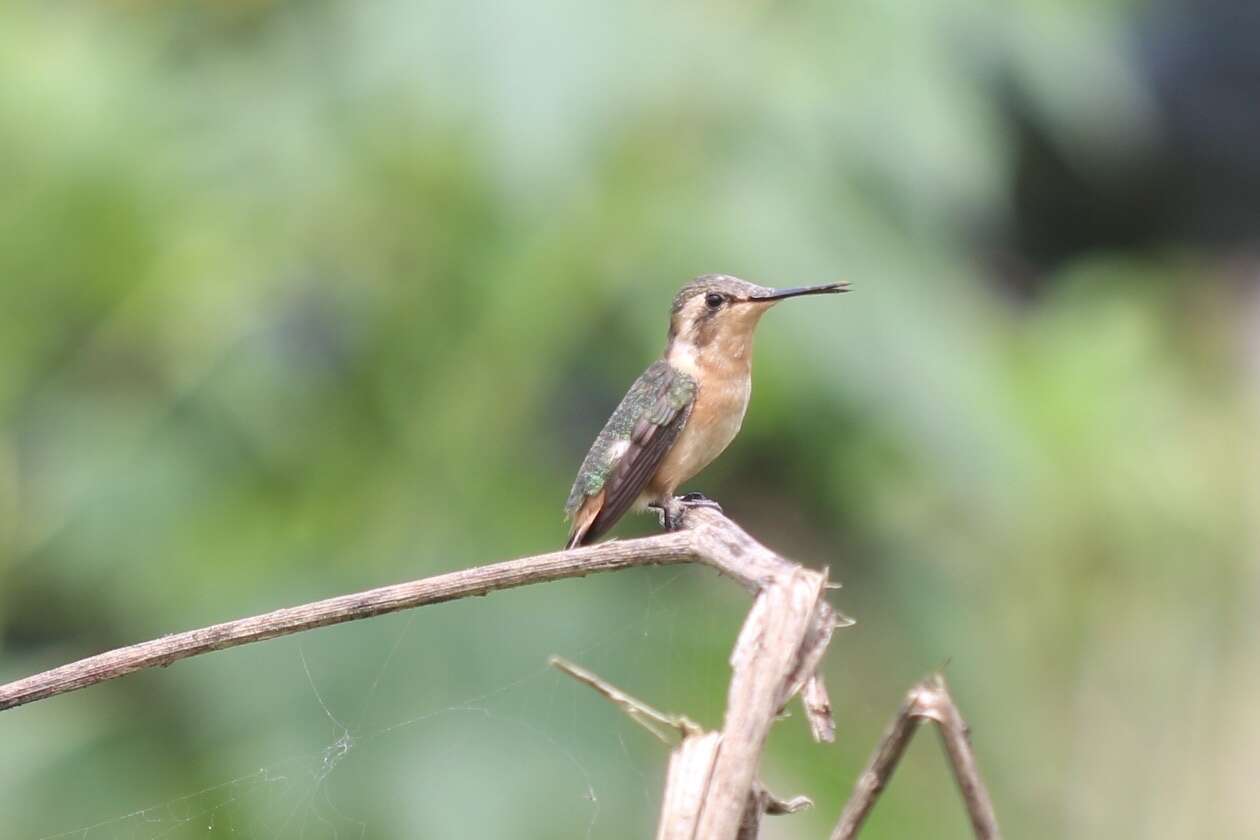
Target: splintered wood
(712,789)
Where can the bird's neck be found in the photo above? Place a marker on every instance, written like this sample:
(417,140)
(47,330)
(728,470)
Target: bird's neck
(723,356)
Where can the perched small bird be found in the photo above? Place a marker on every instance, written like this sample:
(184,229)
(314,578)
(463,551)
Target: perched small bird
(683,411)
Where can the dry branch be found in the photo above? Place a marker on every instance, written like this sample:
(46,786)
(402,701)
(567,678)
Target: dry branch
(658,723)
(690,766)
(610,556)
(712,792)
(929,700)
(687,785)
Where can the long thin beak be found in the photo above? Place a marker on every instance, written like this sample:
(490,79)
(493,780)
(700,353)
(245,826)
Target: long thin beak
(825,289)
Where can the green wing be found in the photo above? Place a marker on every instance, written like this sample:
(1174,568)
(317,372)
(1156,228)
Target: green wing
(632,445)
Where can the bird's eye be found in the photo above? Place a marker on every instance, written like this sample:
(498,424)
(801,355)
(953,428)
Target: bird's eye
(713,300)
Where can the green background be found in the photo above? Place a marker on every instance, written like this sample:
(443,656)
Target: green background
(301,298)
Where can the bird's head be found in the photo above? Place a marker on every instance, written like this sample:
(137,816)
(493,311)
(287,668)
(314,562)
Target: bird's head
(716,314)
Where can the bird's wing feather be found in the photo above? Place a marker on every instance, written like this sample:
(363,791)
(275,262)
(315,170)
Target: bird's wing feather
(652,414)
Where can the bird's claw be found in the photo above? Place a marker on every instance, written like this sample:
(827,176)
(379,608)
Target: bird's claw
(695,500)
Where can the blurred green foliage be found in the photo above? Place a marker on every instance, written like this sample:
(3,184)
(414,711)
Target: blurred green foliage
(302,298)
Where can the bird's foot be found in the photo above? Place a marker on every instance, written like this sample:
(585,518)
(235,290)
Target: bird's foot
(669,513)
(672,511)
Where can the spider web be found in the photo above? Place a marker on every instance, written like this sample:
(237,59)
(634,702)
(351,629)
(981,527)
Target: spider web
(536,717)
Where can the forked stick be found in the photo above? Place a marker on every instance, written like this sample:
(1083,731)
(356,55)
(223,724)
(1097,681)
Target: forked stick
(929,700)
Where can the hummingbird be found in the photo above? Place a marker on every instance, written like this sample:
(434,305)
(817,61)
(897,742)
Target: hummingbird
(682,412)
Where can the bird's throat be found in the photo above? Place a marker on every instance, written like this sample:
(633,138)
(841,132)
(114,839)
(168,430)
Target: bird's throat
(726,356)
